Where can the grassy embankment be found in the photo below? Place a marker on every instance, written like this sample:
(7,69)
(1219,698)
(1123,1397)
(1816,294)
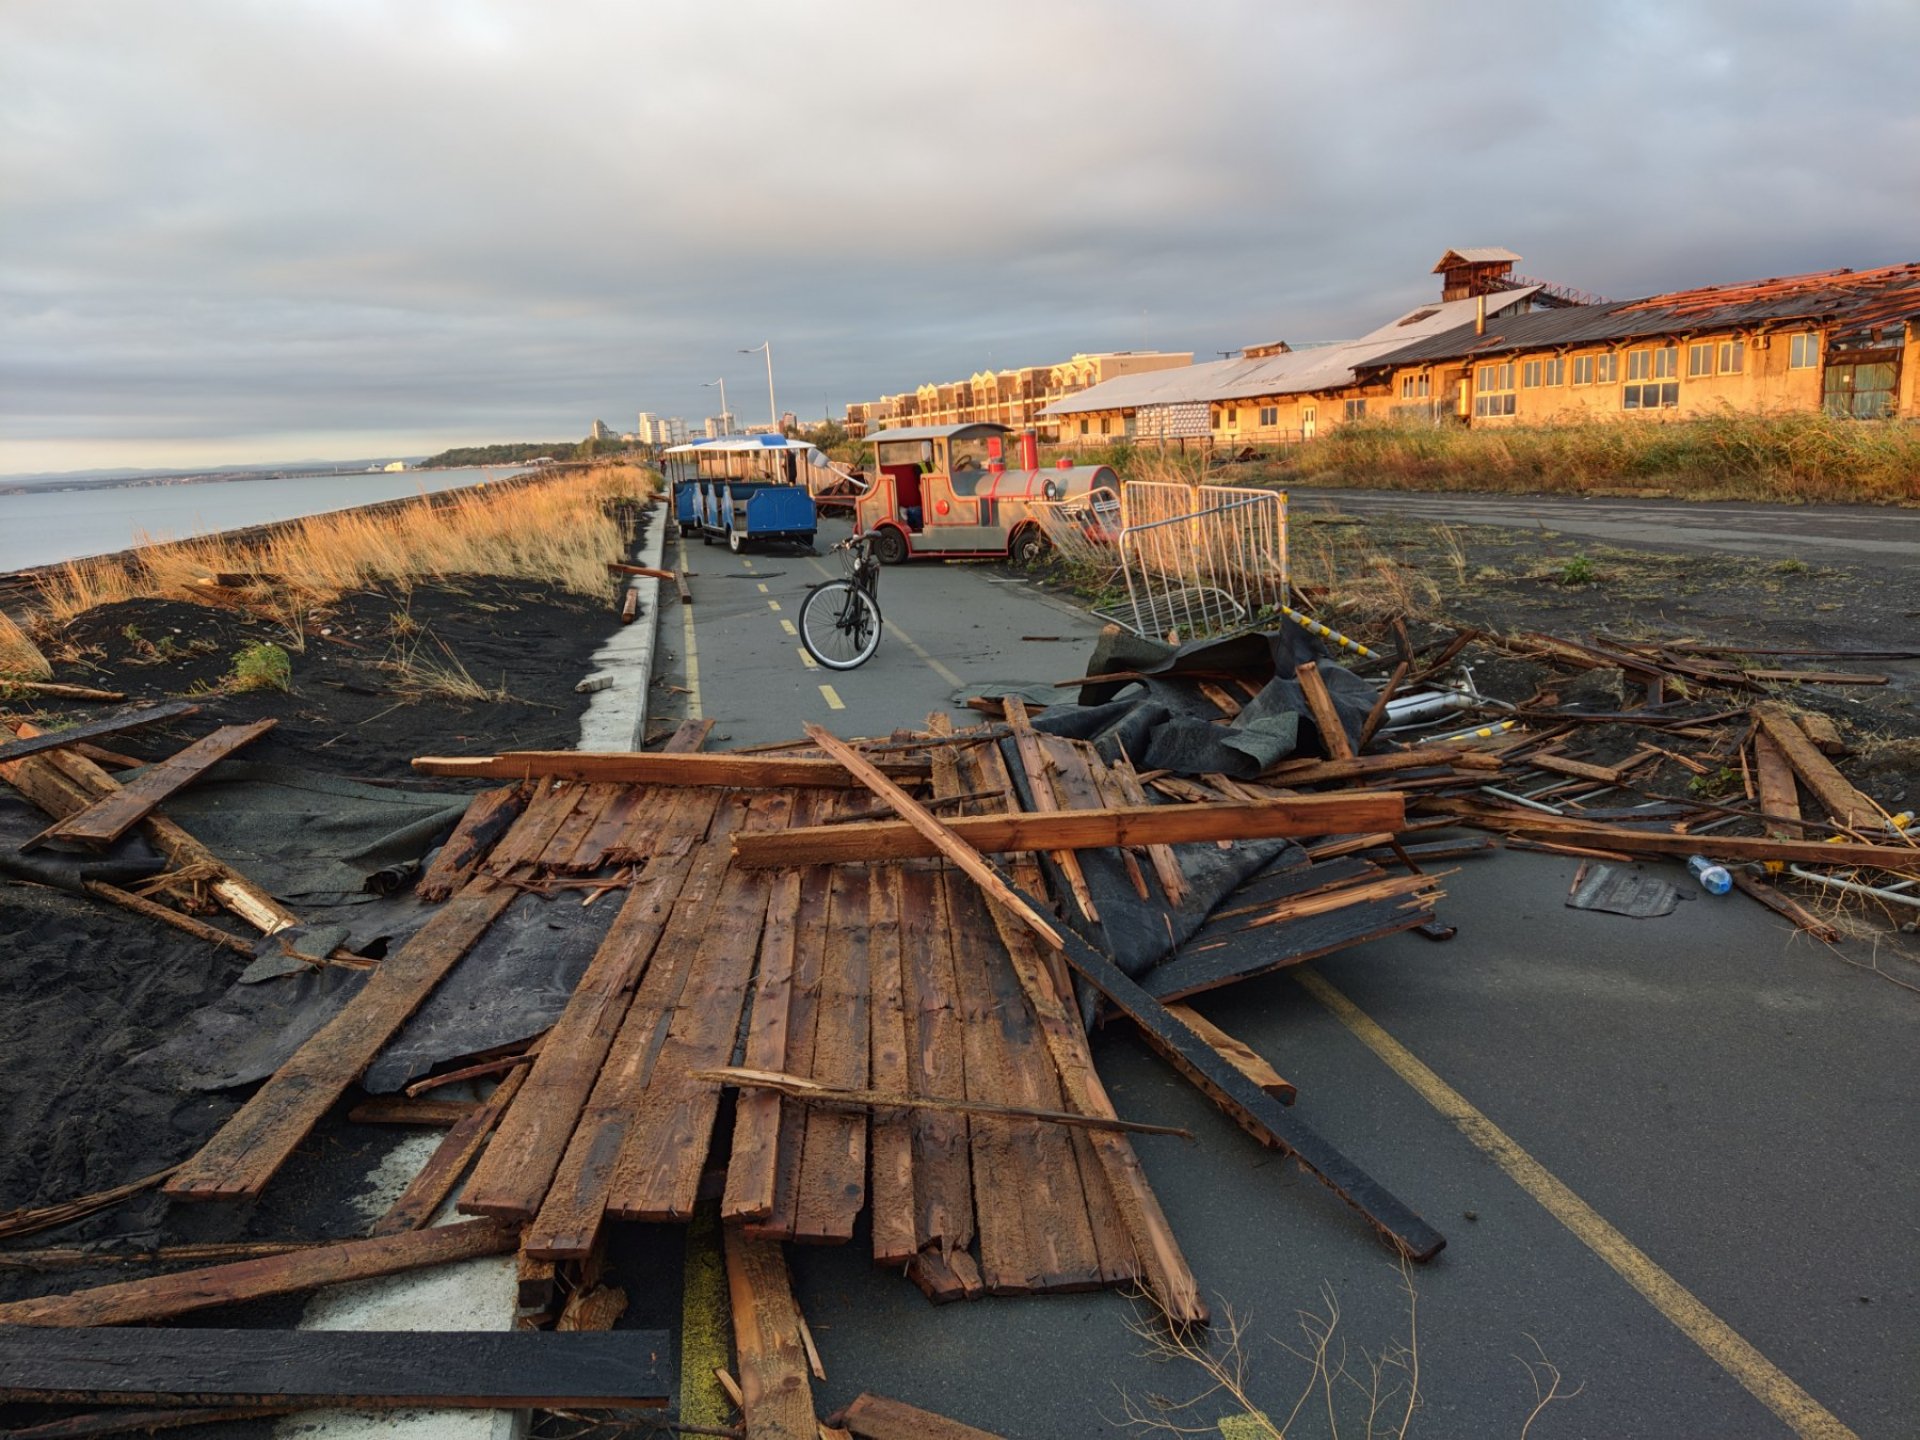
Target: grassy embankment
(1782,458)
(556,532)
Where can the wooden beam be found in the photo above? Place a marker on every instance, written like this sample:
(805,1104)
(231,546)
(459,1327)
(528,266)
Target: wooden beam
(244,1154)
(953,848)
(111,816)
(428,1190)
(1838,798)
(162,1297)
(1326,719)
(285,1369)
(744,772)
(1315,772)
(1257,1112)
(1040,786)
(140,905)
(1779,795)
(1237,1053)
(1902,860)
(1378,714)
(776,1395)
(799,1087)
(114,724)
(1078,829)
(874,1417)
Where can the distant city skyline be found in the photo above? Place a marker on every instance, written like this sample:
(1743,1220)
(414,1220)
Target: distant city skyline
(312,231)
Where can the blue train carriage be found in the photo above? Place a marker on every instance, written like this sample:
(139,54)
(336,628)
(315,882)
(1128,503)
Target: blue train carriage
(744,489)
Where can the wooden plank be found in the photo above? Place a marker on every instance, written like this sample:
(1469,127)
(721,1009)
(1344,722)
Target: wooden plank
(244,1154)
(833,1166)
(404,1110)
(111,816)
(1579,769)
(1898,859)
(587,810)
(1040,787)
(162,1297)
(1838,799)
(429,1189)
(513,1175)
(574,1209)
(743,772)
(488,817)
(803,1013)
(1779,795)
(874,1417)
(751,1171)
(936,1065)
(776,1395)
(657,1174)
(140,905)
(1092,829)
(1781,903)
(1128,790)
(115,724)
(1824,734)
(1377,716)
(527,837)
(1242,954)
(1237,1053)
(1326,719)
(1072,766)
(1366,767)
(915,814)
(1257,1112)
(309,1368)
(124,1421)
(891,1133)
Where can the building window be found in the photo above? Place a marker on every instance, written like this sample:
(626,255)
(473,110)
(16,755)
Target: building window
(1805,353)
(1700,360)
(1666,363)
(1531,372)
(1233,417)
(1493,390)
(1606,368)
(1733,357)
(1651,397)
(1219,418)
(1583,369)
(1356,409)
(1557,371)
(1106,425)
(1416,387)
(1269,416)
(1639,364)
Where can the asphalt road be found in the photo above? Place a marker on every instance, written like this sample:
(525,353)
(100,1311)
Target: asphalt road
(1818,534)
(1704,1109)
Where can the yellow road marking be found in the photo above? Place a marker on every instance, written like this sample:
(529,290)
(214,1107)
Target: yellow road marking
(705,1322)
(787,625)
(773,605)
(761,587)
(806,659)
(834,702)
(687,645)
(1764,1380)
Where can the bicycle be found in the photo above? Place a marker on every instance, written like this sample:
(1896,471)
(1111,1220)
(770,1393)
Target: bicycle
(840,620)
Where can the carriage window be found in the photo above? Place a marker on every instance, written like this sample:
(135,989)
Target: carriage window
(969,454)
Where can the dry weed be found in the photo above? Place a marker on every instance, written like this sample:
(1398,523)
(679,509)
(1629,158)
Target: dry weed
(20,658)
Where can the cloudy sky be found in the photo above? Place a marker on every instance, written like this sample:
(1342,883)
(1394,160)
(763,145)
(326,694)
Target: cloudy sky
(234,231)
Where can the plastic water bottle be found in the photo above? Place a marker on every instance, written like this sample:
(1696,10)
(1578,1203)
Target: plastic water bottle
(1713,878)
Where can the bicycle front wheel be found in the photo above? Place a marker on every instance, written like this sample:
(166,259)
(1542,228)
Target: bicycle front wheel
(840,625)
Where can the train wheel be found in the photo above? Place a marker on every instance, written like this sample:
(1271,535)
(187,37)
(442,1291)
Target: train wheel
(733,540)
(890,546)
(840,625)
(1029,547)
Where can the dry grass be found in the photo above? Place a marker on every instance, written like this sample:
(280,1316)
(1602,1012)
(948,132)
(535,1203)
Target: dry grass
(1786,457)
(20,658)
(424,676)
(554,531)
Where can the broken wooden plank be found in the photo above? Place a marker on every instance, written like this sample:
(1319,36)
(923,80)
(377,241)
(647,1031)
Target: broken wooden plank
(54,690)
(833,1164)
(1901,860)
(428,1190)
(950,846)
(776,1397)
(1174,824)
(1824,734)
(1838,798)
(162,1297)
(1257,1112)
(942,1179)
(1377,716)
(1033,762)
(751,1172)
(1237,1053)
(404,1110)
(644,572)
(874,1417)
(117,723)
(1326,719)
(1779,795)
(1783,904)
(890,1139)
(488,816)
(742,772)
(153,910)
(111,816)
(244,1154)
(360,1369)
(1316,772)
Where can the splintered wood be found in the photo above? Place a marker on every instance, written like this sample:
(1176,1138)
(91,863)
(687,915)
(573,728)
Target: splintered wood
(873,965)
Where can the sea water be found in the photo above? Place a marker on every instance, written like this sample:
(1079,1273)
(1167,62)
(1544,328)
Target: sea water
(44,524)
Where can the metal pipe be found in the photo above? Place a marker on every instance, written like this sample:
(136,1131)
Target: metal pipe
(1521,800)
(1853,885)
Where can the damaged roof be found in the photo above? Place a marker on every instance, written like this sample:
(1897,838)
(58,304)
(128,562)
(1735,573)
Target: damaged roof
(1849,301)
(1294,372)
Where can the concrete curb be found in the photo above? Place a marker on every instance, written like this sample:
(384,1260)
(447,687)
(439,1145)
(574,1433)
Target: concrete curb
(616,717)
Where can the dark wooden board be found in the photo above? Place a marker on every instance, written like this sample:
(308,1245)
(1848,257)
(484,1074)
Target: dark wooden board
(489,816)
(1213,959)
(874,1417)
(114,724)
(833,1166)
(1257,1112)
(365,1368)
(111,816)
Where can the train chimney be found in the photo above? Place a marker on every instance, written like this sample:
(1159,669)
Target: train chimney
(1029,450)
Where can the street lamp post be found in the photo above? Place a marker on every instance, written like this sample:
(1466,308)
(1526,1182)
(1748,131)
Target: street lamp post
(773,408)
(725,415)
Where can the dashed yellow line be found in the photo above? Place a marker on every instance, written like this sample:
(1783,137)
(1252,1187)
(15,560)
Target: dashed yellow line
(806,659)
(787,625)
(774,605)
(1764,1380)
(834,702)
(761,587)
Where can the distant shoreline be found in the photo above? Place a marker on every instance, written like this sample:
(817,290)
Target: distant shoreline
(197,477)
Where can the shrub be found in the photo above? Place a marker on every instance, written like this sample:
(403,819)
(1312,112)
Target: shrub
(261,666)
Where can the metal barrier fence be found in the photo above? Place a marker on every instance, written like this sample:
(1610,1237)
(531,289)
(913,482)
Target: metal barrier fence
(1083,529)
(1199,562)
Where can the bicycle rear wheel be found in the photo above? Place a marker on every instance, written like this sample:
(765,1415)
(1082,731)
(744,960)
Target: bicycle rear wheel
(840,625)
